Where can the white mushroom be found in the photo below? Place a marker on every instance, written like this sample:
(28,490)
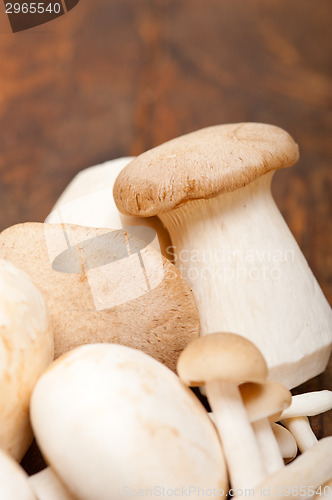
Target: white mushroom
(295,418)
(13,480)
(88,201)
(262,402)
(286,442)
(112,421)
(26,349)
(223,361)
(211,189)
(47,486)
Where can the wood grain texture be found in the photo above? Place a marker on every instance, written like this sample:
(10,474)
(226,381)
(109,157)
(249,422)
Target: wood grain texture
(115,78)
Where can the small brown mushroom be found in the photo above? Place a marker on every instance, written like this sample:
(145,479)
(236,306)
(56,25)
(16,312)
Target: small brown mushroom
(264,401)
(223,361)
(105,286)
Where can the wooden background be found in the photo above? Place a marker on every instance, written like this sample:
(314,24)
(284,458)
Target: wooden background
(117,77)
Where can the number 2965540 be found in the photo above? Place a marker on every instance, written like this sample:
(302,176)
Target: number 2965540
(33,8)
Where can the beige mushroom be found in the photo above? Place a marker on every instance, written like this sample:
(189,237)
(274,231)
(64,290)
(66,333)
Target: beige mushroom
(13,480)
(295,418)
(302,477)
(221,362)
(112,421)
(264,401)
(105,286)
(26,349)
(286,442)
(211,190)
(47,486)
(88,201)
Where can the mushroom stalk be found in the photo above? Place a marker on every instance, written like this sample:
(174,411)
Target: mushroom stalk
(237,254)
(268,445)
(245,465)
(46,486)
(302,432)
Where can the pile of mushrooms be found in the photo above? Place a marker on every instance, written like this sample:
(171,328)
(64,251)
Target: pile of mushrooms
(240,315)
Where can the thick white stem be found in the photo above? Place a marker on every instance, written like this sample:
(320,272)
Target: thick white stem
(250,277)
(268,445)
(302,432)
(245,465)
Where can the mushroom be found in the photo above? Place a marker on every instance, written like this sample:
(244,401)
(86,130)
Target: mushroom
(295,418)
(26,349)
(88,201)
(302,477)
(223,361)
(129,426)
(211,190)
(47,486)
(264,401)
(286,442)
(13,480)
(105,286)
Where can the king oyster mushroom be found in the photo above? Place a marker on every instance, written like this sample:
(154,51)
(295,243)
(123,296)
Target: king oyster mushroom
(88,201)
(26,349)
(105,286)
(211,190)
(113,421)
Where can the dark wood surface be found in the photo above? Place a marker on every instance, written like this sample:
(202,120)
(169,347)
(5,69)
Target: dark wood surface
(117,77)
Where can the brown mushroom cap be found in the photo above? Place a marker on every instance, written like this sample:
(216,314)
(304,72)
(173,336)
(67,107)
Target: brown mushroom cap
(265,400)
(202,164)
(159,321)
(221,356)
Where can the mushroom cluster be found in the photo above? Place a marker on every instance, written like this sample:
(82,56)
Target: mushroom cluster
(102,337)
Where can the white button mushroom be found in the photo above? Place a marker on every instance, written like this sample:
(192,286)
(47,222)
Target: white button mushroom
(13,480)
(211,189)
(295,418)
(112,421)
(221,362)
(88,201)
(26,349)
(105,286)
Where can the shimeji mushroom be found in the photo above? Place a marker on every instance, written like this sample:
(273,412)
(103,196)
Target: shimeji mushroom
(47,486)
(88,201)
(211,189)
(13,480)
(26,349)
(105,286)
(221,362)
(295,418)
(113,422)
(286,442)
(302,477)
(264,401)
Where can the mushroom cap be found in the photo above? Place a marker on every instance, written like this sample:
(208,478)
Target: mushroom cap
(26,349)
(107,416)
(202,164)
(97,292)
(13,480)
(221,356)
(265,400)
